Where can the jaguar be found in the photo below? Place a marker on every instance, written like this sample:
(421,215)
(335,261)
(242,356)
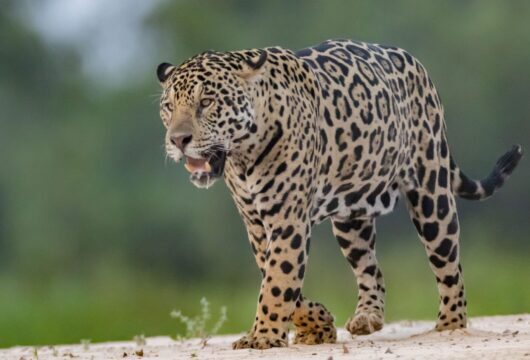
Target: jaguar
(336,131)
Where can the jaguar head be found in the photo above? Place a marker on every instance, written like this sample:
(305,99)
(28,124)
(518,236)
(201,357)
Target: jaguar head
(207,109)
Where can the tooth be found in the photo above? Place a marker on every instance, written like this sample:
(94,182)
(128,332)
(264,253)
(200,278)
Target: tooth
(188,167)
(207,167)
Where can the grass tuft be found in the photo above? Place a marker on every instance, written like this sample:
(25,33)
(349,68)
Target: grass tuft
(196,327)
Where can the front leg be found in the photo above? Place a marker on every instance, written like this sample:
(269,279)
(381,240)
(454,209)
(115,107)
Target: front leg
(283,269)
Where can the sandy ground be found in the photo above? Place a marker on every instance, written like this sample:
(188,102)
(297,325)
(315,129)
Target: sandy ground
(498,337)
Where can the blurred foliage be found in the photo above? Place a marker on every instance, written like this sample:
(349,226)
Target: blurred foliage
(100,238)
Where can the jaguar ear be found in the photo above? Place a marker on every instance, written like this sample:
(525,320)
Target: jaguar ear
(253,62)
(164,70)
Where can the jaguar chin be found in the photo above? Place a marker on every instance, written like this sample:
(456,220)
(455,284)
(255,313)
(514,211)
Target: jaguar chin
(205,171)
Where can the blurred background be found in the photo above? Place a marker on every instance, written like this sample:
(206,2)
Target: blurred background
(100,237)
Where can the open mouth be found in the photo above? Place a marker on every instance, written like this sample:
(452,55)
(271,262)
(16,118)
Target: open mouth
(205,171)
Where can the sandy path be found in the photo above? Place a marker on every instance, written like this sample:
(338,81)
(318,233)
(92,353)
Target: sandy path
(498,337)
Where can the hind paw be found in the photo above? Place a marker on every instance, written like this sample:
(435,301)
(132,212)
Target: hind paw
(364,323)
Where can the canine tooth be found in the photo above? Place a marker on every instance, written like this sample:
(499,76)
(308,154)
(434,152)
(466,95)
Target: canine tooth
(207,167)
(188,167)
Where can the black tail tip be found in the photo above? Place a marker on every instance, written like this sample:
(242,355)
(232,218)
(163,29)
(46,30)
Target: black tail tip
(507,162)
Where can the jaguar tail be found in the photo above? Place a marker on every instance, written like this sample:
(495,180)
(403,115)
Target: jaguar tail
(472,189)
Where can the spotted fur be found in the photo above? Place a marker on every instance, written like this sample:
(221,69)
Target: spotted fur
(337,131)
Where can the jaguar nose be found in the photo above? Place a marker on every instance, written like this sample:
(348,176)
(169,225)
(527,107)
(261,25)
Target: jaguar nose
(180,141)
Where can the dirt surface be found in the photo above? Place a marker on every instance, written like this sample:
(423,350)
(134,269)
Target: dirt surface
(497,337)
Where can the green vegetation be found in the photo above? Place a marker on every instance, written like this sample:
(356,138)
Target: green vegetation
(100,237)
(140,340)
(85,344)
(196,327)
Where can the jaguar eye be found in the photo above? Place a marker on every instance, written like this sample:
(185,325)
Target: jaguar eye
(206,102)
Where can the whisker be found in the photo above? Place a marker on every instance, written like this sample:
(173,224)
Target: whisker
(159,94)
(156,97)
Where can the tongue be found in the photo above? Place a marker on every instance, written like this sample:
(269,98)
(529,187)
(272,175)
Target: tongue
(197,165)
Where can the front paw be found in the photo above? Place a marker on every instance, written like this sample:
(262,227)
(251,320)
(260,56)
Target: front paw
(327,334)
(261,342)
(364,323)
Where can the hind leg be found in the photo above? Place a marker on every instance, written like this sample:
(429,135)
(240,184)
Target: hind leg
(357,241)
(435,217)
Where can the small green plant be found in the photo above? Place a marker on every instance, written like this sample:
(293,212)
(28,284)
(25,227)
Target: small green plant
(139,340)
(54,351)
(36,352)
(85,343)
(196,326)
